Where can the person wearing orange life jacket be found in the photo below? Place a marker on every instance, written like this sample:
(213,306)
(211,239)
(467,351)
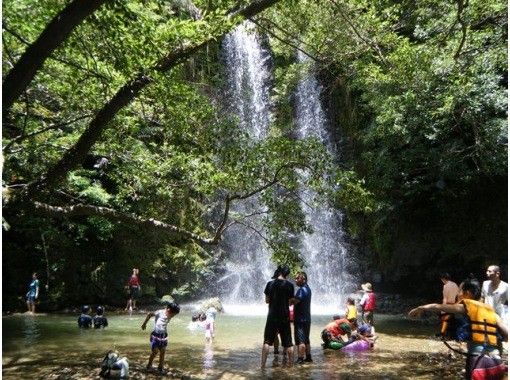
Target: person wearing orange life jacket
(367,304)
(485,327)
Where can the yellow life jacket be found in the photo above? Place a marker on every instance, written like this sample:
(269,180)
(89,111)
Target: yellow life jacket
(352,312)
(482,319)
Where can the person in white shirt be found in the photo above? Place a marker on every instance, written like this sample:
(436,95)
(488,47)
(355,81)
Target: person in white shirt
(159,336)
(495,292)
(210,315)
(450,289)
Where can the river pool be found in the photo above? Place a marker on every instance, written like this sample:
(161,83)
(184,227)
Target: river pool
(52,347)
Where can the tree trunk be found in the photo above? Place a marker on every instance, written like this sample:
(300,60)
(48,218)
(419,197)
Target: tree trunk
(34,56)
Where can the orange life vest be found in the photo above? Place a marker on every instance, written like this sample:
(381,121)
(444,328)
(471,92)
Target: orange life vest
(483,321)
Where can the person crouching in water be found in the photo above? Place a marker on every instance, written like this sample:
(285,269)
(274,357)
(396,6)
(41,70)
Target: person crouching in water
(485,326)
(159,336)
(99,319)
(85,320)
(365,332)
(337,333)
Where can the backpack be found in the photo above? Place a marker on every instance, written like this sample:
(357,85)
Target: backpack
(108,363)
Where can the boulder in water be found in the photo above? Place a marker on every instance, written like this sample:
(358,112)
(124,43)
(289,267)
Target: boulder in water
(207,303)
(167,298)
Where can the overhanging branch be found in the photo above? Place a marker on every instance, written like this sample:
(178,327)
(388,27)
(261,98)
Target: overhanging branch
(76,154)
(111,214)
(59,28)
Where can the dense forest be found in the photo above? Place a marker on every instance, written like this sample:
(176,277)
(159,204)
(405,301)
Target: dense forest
(118,151)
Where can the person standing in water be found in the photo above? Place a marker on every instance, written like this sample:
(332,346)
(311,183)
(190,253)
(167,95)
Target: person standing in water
(278,294)
(450,289)
(85,320)
(134,287)
(99,319)
(33,293)
(495,292)
(210,318)
(159,336)
(351,313)
(302,318)
(367,304)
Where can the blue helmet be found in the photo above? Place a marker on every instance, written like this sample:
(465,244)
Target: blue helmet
(99,310)
(85,309)
(364,328)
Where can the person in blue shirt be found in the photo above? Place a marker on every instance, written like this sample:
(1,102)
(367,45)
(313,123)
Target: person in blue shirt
(33,293)
(85,320)
(302,318)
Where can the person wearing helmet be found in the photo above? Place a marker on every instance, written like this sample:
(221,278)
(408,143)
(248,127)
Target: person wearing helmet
(99,319)
(85,320)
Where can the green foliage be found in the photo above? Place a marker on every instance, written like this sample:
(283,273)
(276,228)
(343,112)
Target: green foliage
(86,189)
(426,84)
(428,124)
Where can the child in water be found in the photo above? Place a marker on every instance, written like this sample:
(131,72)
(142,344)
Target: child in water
(99,319)
(367,333)
(210,317)
(351,312)
(85,320)
(159,336)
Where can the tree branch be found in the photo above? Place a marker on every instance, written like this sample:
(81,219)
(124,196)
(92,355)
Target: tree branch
(266,240)
(91,210)
(282,40)
(76,154)
(61,60)
(461,5)
(19,138)
(367,41)
(222,226)
(108,213)
(59,28)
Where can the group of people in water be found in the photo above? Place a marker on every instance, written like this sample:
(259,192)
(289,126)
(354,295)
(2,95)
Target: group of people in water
(99,320)
(474,313)
(285,306)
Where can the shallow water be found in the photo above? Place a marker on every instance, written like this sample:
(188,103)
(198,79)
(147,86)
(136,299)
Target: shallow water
(52,347)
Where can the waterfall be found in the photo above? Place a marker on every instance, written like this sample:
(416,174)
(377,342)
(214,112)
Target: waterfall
(247,79)
(248,267)
(325,251)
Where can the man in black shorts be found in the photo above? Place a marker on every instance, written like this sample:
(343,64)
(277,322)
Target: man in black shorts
(278,294)
(302,318)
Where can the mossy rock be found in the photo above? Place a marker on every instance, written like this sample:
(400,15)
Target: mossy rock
(207,303)
(167,299)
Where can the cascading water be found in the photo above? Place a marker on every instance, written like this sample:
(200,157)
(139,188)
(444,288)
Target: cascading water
(248,267)
(325,251)
(248,79)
